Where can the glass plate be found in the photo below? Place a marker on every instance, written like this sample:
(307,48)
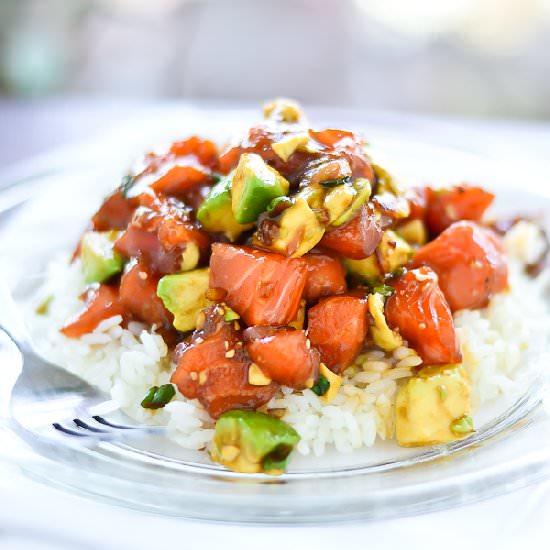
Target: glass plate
(43,212)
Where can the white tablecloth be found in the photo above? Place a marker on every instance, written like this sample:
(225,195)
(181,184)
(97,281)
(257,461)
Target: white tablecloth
(36,516)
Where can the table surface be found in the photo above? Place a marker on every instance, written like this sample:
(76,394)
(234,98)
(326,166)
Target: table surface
(33,516)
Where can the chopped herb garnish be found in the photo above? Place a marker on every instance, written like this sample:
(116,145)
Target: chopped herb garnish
(230,315)
(336,182)
(443,394)
(399,272)
(277,205)
(321,386)
(384,290)
(44,306)
(158,397)
(126,184)
(462,425)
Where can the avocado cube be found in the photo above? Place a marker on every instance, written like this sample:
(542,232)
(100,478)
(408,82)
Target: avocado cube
(432,406)
(338,200)
(384,337)
(414,232)
(286,147)
(99,259)
(393,252)
(255,184)
(184,295)
(299,230)
(215,213)
(361,193)
(366,269)
(253,442)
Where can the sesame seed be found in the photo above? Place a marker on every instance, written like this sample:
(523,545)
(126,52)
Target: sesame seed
(422,326)
(308,344)
(193,375)
(230,353)
(142,275)
(198,340)
(226,344)
(202,377)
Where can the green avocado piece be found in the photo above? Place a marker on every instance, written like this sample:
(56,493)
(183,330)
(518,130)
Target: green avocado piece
(393,253)
(253,442)
(299,230)
(216,214)
(384,337)
(254,186)
(184,295)
(99,259)
(362,188)
(366,269)
(338,200)
(434,407)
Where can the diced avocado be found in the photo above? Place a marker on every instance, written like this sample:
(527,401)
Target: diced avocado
(362,188)
(216,214)
(190,257)
(338,200)
(366,269)
(253,442)
(393,252)
(383,336)
(289,144)
(299,230)
(414,232)
(434,407)
(254,185)
(184,295)
(386,183)
(283,110)
(99,259)
(314,196)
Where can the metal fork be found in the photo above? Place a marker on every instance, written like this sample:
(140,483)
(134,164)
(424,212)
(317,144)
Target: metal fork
(46,400)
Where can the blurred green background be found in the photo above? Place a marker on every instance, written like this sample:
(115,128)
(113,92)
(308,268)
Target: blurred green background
(462,57)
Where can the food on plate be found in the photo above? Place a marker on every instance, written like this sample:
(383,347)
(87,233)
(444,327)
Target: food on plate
(287,291)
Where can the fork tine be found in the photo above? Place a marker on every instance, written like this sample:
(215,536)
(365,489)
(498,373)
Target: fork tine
(83,425)
(102,420)
(66,430)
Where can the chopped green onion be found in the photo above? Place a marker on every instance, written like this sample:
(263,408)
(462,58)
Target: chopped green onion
(399,272)
(384,290)
(462,425)
(126,184)
(443,394)
(230,315)
(321,386)
(157,397)
(336,182)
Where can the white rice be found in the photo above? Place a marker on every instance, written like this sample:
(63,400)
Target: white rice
(496,343)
